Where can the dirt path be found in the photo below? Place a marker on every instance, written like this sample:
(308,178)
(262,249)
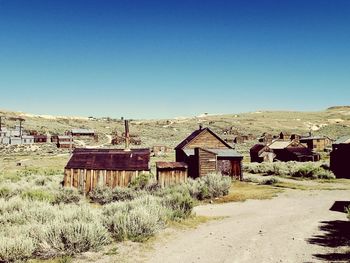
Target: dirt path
(277,230)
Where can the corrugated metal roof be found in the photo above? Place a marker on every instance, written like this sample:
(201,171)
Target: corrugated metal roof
(171,165)
(343,139)
(218,152)
(110,159)
(312,138)
(279,145)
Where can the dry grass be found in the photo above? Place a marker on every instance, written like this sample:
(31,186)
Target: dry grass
(193,221)
(241,191)
(320,186)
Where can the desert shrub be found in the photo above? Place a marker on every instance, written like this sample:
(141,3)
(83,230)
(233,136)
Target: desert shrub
(70,237)
(125,194)
(67,196)
(216,184)
(180,205)
(101,195)
(269,181)
(324,174)
(141,181)
(38,194)
(249,179)
(16,247)
(136,220)
(5,192)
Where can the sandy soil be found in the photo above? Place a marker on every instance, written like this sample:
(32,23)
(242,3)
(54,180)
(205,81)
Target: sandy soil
(277,230)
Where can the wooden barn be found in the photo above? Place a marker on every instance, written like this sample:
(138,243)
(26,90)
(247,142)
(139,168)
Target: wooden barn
(205,152)
(88,168)
(266,138)
(340,157)
(171,173)
(317,143)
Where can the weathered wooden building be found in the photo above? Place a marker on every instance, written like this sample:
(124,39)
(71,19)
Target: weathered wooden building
(292,151)
(88,168)
(317,143)
(40,138)
(82,132)
(171,173)
(205,152)
(340,157)
(285,136)
(261,153)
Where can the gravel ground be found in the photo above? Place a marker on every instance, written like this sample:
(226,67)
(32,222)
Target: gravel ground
(276,230)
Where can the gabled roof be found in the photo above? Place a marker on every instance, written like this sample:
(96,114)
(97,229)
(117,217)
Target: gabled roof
(257,148)
(110,159)
(195,134)
(275,145)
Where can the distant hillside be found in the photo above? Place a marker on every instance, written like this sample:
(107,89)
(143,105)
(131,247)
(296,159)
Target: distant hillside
(333,122)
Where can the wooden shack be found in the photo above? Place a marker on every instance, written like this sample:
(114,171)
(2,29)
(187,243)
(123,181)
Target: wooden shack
(317,143)
(82,132)
(205,152)
(171,173)
(292,151)
(261,153)
(340,157)
(40,138)
(88,168)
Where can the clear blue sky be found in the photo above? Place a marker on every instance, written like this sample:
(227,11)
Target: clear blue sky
(149,59)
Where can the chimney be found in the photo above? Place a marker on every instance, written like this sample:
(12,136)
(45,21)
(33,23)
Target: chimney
(127,135)
(200,126)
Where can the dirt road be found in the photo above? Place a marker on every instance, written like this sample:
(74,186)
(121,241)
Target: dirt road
(283,229)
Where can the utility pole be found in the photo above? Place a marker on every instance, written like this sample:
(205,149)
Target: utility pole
(0,123)
(127,135)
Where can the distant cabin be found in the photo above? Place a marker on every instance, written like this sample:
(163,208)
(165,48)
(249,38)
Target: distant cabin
(39,138)
(83,132)
(292,151)
(205,152)
(340,157)
(89,168)
(261,153)
(317,143)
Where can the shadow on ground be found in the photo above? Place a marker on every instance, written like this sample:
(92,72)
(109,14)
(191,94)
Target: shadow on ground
(336,234)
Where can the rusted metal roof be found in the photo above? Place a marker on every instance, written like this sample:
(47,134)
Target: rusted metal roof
(171,165)
(110,159)
(196,133)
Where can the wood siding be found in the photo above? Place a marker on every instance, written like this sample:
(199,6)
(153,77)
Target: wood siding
(169,177)
(206,140)
(87,180)
(206,162)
